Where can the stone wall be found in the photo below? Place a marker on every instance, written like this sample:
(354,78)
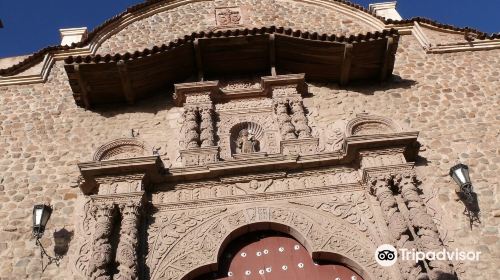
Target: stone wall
(450,98)
(176,22)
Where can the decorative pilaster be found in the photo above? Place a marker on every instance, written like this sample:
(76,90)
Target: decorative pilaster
(101,247)
(191,135)
(299,119)
(422,223)
(284,120)
(126,254)
(207,127)
(398,228)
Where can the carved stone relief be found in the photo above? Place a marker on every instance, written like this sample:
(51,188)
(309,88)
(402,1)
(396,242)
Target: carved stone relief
(194,237)
(122,148)
(255,113)
(228,16)
(366,124)
(281,184)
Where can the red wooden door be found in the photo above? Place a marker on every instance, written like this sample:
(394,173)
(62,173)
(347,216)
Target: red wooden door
(281,258)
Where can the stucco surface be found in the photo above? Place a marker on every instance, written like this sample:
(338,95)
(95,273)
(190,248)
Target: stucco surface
(452,99)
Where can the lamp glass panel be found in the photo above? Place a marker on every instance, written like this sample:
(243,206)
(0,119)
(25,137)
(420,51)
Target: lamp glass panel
(38,216)
(460,175)
(45,215)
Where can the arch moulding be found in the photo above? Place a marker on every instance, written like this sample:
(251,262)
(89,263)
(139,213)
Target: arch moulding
(195,239)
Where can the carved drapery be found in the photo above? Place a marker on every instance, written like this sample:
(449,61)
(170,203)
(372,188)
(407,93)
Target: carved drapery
(191,135)
(207,127)
(398,228)
(285,122)
(101,247)
(126,254)
(422,223)
(299,119)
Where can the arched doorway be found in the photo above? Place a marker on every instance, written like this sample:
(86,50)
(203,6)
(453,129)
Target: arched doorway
(270,255)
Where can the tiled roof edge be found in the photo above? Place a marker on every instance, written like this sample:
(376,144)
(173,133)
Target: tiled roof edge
(38,56)
(111,58)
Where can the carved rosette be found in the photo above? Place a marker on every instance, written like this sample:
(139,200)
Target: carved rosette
(191,135)
(398,228)
(126,254)
(299,119)
(101,248)
(207,127)
(422,223)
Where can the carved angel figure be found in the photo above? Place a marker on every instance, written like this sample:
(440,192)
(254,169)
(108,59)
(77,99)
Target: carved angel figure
(246,142)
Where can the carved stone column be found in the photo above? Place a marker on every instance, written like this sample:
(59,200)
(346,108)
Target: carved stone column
(191,135)
(398,228)
(285,123)
(423,225)
(207,127)
(126,254)
(300,120)
(101,247)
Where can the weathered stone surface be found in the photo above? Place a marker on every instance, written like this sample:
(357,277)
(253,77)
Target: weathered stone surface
(451,98)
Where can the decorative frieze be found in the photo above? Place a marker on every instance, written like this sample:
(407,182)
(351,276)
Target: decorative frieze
(199,156)
(276,183)
(307,146)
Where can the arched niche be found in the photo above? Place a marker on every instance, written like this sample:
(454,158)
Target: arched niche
(365,124)
(122,148)
(255,131)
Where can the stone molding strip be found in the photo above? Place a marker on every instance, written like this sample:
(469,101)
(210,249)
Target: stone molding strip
(414,28)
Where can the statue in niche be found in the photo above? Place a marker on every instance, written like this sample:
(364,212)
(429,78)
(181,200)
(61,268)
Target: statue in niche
(246,142)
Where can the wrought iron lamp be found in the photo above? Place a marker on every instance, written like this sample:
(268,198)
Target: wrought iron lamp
(41,215)
(460,174)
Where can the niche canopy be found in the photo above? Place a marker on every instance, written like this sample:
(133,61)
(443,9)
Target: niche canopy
(129,77)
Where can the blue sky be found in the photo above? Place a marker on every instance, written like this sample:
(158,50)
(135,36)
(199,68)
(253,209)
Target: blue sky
(33,24)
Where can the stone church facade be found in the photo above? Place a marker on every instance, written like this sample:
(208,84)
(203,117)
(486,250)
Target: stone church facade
(176,128)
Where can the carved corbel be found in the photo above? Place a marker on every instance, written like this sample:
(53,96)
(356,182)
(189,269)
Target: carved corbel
(422,223)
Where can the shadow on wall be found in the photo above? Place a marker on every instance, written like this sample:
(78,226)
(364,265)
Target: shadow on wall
(62,238)
(157,102)
(370,87)
(446,276)
(395,82)
(472,210)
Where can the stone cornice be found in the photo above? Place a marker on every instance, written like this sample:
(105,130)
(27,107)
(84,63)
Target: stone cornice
(153,168)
